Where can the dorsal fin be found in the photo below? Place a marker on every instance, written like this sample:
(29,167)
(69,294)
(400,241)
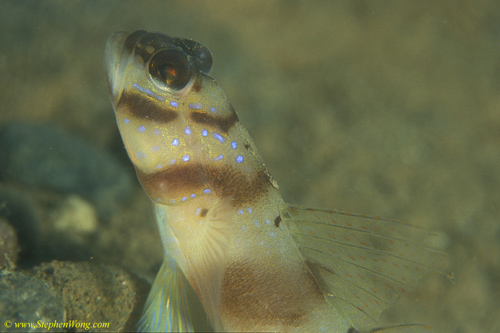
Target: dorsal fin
(362,264)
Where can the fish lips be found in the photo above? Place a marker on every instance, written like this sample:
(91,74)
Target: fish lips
(114,61)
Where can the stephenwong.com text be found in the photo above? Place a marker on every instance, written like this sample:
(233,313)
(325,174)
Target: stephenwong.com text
(55,324)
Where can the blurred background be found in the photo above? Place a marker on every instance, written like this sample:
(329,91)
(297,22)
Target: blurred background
(384,108)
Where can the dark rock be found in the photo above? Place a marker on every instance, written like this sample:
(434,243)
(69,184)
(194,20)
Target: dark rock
(26,300)
(9,248)
(17,208)
(43,155)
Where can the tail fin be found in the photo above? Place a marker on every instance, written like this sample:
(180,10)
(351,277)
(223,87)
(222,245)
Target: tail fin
(172,304)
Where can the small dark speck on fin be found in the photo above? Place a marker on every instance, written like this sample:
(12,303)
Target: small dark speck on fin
(277,221)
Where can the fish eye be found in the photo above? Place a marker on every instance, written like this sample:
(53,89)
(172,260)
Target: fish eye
(170,68)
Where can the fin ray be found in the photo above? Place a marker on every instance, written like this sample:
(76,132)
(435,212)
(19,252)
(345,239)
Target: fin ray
(362,264)
(172,304)
(206,253)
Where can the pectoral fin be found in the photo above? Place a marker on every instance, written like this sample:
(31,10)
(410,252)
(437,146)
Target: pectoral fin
(172,304)
(362,264)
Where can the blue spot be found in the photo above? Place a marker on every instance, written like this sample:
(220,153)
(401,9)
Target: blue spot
(149,92)
(249,210)
(218,137)
(184,199)
(157,132)
(193,195)
(218,158)
(175,142)
(207,190)
(155,148)
(187,131)
(185,158)
(174,104)
(240,212)
(127,121)
(161,99)
(158,166)
(194,106)
(268,222)
(234,145)
(137,87)
(271,234)
(255,222)
(141,154)
(172,162)
(172,200)
(239,159)
(141,129)
(212,109)
(243,228)
(158,199)
(204,132)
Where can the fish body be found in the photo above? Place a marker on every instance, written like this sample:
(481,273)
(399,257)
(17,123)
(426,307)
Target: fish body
(237,258)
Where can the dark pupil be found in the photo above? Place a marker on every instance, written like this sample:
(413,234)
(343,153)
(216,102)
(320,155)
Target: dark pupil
(168,73)
(171,68)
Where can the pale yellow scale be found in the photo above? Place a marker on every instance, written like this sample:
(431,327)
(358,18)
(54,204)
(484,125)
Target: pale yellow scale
(237,258)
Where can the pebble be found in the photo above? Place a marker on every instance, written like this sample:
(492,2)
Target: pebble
(96,293)
(26,299)
(75,215)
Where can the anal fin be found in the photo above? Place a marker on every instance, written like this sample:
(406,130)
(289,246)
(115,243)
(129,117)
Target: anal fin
(172,304)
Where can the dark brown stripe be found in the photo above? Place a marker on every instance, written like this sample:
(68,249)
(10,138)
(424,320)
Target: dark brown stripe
(196,86)
(132,39)
(253,294)
(142,107)
(223,124)
(183,180)
(135,43)
(174,183)
(229,182)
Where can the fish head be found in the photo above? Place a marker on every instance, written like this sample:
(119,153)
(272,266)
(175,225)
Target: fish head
(174,119)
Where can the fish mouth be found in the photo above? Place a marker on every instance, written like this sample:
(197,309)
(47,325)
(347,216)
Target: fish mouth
(114,61)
